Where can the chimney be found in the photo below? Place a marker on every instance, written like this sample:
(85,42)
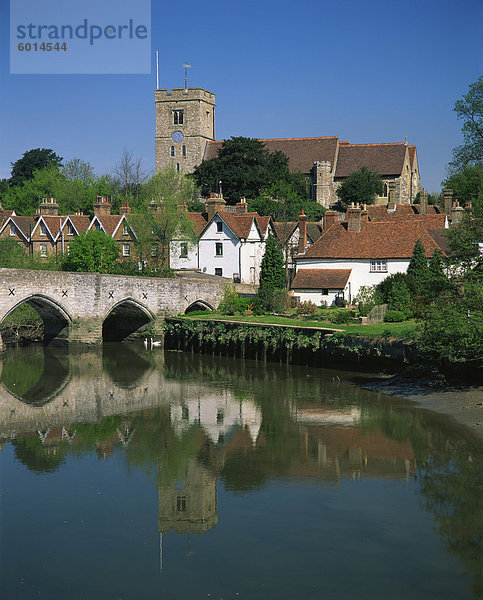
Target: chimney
(448,200)
(423,203)
(302,232)
(330,218)
(391,203)
(241,207)
(1,213)
(354,219)
(468,209)
(102,206)
(457,213)
(214,204)
(49,207)
(125,208)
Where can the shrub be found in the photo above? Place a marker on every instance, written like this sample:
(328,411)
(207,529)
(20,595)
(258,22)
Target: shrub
(365,299)
(307,308)
(394,316)
(232,304)
(342,317)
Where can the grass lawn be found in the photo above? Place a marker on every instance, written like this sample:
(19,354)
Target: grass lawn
(398,330)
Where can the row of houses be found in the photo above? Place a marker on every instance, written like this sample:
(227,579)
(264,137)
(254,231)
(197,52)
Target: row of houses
(325,260)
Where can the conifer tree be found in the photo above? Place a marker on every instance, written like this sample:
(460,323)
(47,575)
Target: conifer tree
(418,271)
(272,272)
(437,278)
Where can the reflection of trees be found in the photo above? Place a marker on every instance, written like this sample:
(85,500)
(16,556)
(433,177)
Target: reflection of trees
(36,457)
(451,485)
(124,365)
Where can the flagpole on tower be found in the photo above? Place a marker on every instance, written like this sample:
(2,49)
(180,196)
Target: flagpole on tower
(157,69)
(186,67)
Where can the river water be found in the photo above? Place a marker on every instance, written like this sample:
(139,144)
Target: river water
(134,474)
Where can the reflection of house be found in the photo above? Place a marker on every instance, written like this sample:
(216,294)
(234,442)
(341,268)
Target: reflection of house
(219,416)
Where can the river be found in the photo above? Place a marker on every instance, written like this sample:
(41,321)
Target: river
(135,474)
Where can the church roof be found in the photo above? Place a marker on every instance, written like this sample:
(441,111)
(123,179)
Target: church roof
(384,159)
(384,239)
(301,152)
(310,279)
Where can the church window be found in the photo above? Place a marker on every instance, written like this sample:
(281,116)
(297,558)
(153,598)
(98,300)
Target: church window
(178,117)
(172,151)
(177,167)
(184,150)
(181,503)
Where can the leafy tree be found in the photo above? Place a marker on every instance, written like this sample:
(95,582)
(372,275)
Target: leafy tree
(394,291)
(92,251)
(244,167)
(467,187)
(437,277)
(164,219)
(418,272)
(25,198)
(12,254)
(76,169)
(361,186)
(465,259)
(33,160)
(283,203)
(470,109)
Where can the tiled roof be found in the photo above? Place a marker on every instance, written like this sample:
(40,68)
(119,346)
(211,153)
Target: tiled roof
(412,154)
(53,224)
(433,219)
(314,231)
(301,152)
(239,224)
(284,230)
(314,279)
(262,223)
(109,222)
(384,239)
(198,222)
(385,159)
(80,222)
(24,224)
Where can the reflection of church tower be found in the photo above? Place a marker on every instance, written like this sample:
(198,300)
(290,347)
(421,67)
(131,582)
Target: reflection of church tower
(190,505)
(185,121)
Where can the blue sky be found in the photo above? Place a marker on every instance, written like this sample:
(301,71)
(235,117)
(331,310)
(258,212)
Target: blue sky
(367,72)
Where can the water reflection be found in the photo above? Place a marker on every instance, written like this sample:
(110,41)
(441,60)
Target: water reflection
(189,422)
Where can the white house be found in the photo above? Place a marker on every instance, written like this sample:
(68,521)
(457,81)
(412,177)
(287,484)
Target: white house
(358,251)
(230,244)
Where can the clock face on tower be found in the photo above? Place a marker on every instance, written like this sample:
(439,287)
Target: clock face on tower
(177,137)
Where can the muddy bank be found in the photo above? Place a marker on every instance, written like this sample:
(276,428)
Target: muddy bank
(463,404)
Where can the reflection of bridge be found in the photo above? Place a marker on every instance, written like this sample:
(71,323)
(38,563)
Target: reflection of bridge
(76,307)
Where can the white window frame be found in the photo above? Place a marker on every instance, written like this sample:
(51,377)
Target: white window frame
(70,229)
(13,230)
(43,229)
(378,265)
(183,250)
(126,250)
(125,230)
(43,250)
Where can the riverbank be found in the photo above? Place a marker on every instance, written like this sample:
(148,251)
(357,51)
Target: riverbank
(463,404)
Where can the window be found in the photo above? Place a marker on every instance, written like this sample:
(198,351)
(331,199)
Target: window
(126,250)
(184,150)
(70,229)
(385,190)
(154,250)
(43,249)
(219,226)
(218,249)
(180,503)
(325,292)
(177,167)
(183,253)
(178,117)
(379,266)
(220,416)
(98,226)
(219,272)
(43,229)
(12,230)
(171,151)
(125,230)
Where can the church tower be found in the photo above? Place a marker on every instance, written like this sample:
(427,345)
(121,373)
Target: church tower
(185,121)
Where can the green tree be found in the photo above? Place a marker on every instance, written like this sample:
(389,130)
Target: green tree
(33,160)
(437,277)
(92,251)
(272,272)
(361,186)
(12,254)
(244,167)
(25,198)
(418,272)
(467,186)
(283,203)
(76,168)
(470,109)
(164,219)
(465,259)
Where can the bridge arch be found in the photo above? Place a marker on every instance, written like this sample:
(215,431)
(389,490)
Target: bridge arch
(55,317)
(124,319)
(199,305)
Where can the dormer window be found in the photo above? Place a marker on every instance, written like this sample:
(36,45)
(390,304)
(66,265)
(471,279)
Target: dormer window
(219,227)
(13,231)
(125,230)
(43,229)
(70,229)
(178,117)
(98,226)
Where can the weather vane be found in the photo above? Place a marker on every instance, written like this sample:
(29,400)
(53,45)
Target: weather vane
(186,67)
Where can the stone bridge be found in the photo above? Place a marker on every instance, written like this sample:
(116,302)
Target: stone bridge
(88,308)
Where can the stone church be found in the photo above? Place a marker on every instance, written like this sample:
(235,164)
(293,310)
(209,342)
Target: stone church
(185,136)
